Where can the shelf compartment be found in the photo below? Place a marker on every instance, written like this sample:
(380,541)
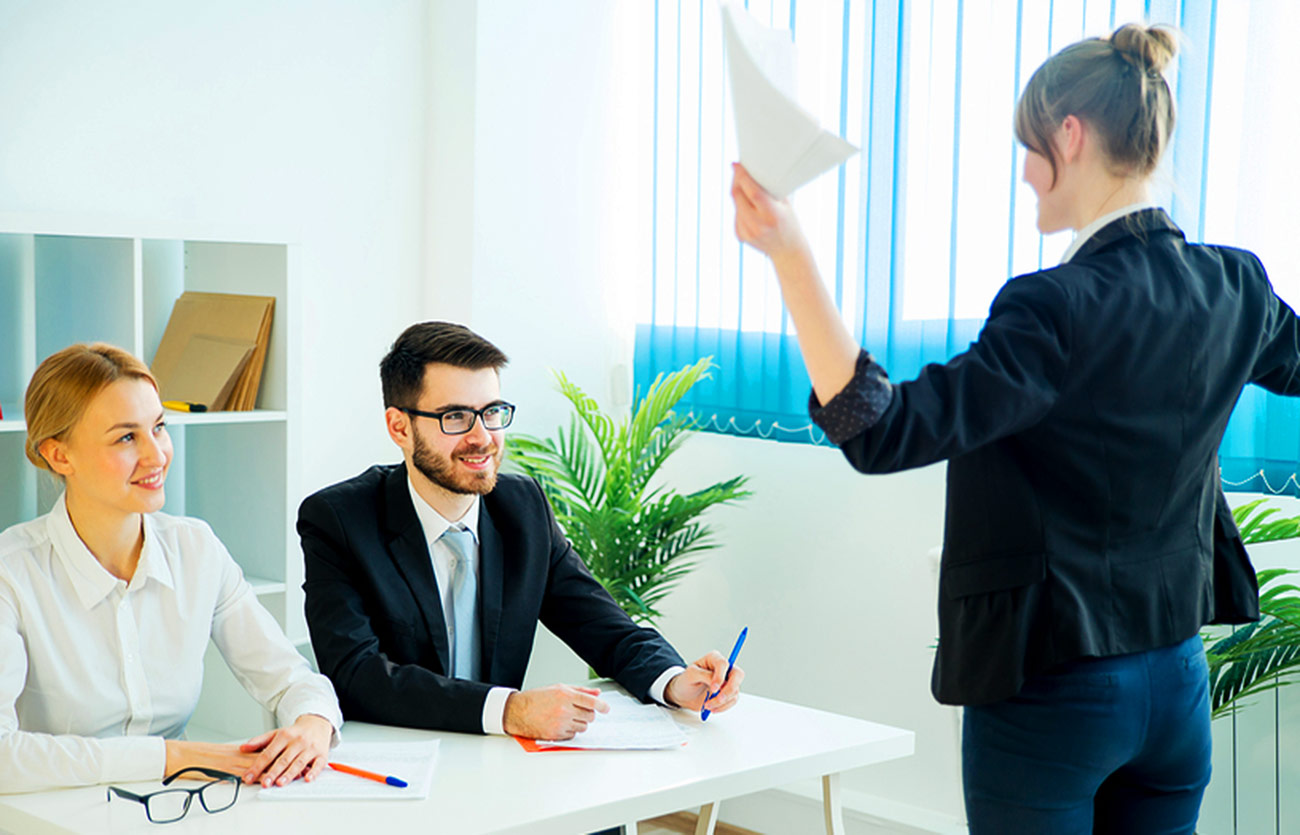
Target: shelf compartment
(85,292)
(17,320)
(232,476)
(18,498)
(13,420)
(250,269)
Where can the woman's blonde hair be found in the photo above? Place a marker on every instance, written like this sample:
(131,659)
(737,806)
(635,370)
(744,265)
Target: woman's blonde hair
(1114,84)
(65,383)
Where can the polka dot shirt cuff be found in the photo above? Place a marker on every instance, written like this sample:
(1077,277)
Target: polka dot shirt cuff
(858,406)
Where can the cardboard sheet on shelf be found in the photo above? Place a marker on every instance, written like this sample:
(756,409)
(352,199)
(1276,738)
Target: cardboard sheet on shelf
(218,321)
(207,370)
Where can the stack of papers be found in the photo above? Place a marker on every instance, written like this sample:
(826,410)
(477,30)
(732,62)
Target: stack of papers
(413,762)
(781,144)
(629,726)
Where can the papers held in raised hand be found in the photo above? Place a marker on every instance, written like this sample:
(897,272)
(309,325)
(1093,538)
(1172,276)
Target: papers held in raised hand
(214,350)
(781,144)
(629,725)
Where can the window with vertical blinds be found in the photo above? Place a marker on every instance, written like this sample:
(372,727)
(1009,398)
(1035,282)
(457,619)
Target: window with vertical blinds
(916,234)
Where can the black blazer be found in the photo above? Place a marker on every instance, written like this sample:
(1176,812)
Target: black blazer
(1084,511)
(376,618)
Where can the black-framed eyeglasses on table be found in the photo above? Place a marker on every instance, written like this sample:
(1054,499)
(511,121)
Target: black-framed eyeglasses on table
(170,805)
(460,421)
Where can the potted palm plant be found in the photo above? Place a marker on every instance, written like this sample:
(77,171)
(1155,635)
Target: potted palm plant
(1265,655)
(638,538)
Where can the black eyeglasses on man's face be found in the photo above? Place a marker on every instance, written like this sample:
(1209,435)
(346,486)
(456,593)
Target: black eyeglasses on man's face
(459,421)
(170,805)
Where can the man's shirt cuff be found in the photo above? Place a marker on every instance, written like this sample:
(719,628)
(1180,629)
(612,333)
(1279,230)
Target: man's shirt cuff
(858,406)
(494,706)
(661,684)
(494,710)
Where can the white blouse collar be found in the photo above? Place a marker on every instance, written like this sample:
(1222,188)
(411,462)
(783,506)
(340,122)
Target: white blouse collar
(1097,225)
(90,579)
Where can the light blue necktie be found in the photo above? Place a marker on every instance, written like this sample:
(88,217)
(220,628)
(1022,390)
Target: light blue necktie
(464,605)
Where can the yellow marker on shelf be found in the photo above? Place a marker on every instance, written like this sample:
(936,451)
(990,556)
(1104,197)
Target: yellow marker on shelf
(183,406)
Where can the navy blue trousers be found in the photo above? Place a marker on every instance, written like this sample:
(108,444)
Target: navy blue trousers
(1105,745)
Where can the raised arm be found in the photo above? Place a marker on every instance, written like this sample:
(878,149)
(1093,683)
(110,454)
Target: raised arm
(770,226)
(1006,381)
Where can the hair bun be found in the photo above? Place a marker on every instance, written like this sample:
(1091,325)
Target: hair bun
(1148,49)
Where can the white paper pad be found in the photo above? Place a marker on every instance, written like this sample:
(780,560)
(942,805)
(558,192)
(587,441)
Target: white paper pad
(781,144)
(629,725)
(413,762)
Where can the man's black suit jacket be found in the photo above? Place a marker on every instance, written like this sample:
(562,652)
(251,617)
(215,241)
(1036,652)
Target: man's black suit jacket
(376,618)
(1084,511)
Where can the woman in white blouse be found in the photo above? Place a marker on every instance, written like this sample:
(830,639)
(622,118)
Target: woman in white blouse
(106,606)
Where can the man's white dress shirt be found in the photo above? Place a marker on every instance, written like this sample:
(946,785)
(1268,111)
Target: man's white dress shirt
(434,525)
(95,673)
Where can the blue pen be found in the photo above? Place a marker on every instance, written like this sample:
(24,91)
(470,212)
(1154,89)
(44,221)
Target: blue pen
(731,662)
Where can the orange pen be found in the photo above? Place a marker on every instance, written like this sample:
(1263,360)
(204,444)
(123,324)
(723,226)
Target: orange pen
(369,775)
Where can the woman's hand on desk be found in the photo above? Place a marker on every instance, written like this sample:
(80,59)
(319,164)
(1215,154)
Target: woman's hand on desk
(285,754)
(555,712)
(689,689)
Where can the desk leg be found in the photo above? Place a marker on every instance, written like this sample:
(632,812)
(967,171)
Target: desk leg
(831,804)
(708,818)
(630,828)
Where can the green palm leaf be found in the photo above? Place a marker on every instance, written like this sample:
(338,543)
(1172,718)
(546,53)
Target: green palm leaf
(1258,657)
(639,539)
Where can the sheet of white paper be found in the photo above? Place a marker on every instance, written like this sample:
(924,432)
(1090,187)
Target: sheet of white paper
(413,762)
(781,144)
(629,725)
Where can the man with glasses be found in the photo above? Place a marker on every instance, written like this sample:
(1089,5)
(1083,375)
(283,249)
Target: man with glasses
(426,579)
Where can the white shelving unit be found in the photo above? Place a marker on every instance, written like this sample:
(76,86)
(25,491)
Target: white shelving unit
(67,281)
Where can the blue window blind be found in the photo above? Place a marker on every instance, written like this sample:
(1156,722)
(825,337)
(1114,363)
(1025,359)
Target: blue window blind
(1238,187)
(916,234)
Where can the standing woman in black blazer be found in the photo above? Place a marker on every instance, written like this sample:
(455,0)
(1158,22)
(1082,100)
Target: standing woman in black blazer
(1086,537)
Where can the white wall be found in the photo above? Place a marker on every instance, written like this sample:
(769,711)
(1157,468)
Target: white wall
(301,117)
(557,241)
(298,120)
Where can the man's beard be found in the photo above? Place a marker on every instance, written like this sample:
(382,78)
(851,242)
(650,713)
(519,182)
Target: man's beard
(441,470)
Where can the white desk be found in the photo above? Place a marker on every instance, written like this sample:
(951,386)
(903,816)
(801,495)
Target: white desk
(490,784)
